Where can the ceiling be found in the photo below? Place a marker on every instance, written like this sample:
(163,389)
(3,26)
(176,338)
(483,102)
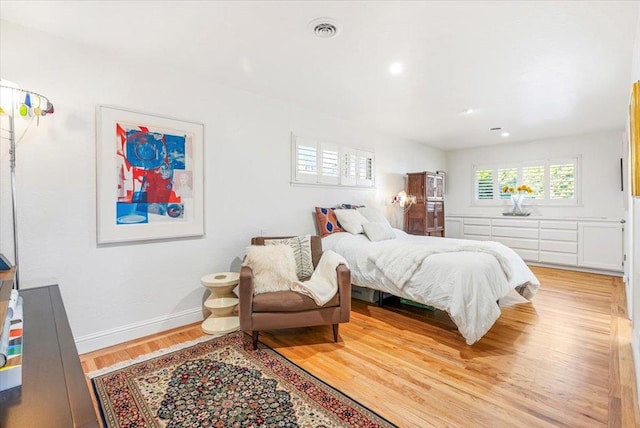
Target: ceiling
(536,69)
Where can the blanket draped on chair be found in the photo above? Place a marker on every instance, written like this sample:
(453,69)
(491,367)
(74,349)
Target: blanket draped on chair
(323,284)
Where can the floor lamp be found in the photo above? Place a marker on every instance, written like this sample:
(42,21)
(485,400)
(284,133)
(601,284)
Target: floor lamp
(22,107)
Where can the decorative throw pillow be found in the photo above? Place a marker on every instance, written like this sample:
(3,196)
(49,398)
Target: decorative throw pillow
(348,206)
(378,231)
(301,246)
(373,215)
(351,220)
(274,267)
(327,221)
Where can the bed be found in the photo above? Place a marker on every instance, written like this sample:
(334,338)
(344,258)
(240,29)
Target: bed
(463,277)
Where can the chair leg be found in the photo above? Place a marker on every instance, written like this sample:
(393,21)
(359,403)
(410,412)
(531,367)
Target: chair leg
(255,339)
(335,332)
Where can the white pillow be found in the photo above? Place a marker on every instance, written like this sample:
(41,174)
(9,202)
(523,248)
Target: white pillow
(350,220)
(378,231)
(373,215)
(274,267)
(301,246)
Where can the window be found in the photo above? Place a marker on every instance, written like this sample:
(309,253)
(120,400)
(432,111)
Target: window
(484,184)
(306,160)
(533,176)
(562,181)
(553,181)
(365,169)
(349,163)
(507,177)
(320,162)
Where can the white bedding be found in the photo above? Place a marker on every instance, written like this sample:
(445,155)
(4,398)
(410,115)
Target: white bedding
(462,277)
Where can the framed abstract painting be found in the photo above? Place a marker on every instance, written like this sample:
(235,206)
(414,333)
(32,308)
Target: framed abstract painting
(150,176)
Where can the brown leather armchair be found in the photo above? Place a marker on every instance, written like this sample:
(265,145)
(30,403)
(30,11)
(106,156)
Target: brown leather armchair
(288,309)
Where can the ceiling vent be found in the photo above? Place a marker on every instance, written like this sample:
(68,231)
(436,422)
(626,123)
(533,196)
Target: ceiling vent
(325,28)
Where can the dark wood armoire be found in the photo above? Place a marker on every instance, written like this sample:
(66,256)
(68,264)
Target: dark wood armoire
(426,216)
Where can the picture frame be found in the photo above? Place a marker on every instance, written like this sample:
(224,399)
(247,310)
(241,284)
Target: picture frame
(634,138)
(149,176)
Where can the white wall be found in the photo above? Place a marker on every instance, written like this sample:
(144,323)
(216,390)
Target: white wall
(600,154)
(634,232)
(116,293)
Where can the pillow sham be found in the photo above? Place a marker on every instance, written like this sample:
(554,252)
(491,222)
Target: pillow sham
(351,220)
(378,231)
(274,267)
(301,246)
(349,206)
(373,215)
(327,221)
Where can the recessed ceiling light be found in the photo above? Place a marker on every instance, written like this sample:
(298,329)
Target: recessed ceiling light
(396,68)
(505,134)
(468,111)
(325,28)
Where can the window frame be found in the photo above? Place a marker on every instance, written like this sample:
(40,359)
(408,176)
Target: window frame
(349,161)
(519,166)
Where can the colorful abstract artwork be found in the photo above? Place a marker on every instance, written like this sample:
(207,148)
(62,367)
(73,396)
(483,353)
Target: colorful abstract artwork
(154,190)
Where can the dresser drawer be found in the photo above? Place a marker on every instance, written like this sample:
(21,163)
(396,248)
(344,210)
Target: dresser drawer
(515,232)
(533,224)
(559,235)
(568,225)
(558,258)
(478,221)
(559,246)
(526,244)
(477,230)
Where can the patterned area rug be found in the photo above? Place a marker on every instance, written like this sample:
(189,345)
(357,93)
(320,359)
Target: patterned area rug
(222,382)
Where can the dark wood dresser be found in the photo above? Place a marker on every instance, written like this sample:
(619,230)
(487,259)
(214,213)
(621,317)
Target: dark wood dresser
(426,216)
(54,392)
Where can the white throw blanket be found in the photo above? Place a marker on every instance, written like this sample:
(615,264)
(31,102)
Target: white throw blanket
(400,260)
(453,278)
(323,284)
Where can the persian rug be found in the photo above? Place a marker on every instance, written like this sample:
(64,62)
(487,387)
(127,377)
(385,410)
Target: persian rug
(222,382)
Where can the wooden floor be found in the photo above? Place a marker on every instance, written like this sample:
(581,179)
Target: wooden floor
(563,360)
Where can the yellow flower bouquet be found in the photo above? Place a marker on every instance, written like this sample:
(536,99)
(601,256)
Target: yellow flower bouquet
(523,188)
(517,195)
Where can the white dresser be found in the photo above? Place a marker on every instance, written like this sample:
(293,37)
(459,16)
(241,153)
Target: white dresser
(584,243)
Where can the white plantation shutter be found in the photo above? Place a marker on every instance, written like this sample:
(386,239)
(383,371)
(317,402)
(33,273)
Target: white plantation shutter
(562,181)
(507,177)
(533,176)
(348,166)
(552,181)
(306,160)
(321,162)
(329,164)
(483,184)
(364,175)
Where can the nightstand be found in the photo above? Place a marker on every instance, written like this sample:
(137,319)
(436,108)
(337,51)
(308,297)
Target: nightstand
(221,302)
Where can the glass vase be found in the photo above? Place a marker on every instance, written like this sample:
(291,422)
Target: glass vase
(516,202)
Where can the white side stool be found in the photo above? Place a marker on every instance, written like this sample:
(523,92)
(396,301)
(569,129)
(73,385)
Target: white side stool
(221,302)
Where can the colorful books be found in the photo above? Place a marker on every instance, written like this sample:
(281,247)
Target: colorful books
(11,349)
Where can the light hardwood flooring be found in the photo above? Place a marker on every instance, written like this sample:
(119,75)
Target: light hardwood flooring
(563,359)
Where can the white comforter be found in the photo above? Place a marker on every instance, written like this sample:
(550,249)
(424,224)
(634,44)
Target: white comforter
(462,277)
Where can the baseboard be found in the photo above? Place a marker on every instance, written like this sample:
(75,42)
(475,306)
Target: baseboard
(576,268)
(111,337)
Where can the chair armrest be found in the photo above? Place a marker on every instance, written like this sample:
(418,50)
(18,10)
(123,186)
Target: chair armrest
(245,297)
(344,288)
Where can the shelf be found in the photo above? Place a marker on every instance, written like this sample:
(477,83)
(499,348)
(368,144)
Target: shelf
(220,303)
(220,325)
